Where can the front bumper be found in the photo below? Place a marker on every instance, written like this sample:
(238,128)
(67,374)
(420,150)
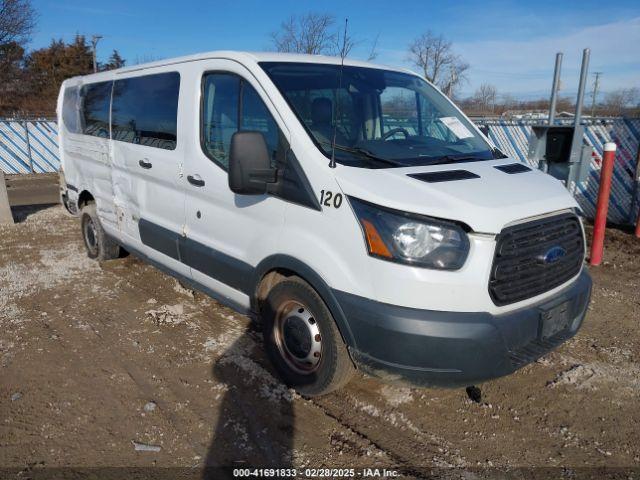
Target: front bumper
(449,349)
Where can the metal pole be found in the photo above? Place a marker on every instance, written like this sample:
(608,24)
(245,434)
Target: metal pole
(577,140)
(5,206)
(25,124)
(583,80)
(596,84)
(94,43)
(554,88)
(602,207)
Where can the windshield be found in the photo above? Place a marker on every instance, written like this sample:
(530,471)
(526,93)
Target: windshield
(382,118)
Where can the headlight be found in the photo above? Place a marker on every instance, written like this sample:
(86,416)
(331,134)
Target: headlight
(411,239)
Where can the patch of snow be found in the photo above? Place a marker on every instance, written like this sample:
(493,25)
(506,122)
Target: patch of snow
(168,315)
(395,396)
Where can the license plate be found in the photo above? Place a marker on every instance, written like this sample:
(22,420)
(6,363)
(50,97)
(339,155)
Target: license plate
(554,319)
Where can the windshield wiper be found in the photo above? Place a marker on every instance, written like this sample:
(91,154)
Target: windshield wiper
(367,154)
(497,153)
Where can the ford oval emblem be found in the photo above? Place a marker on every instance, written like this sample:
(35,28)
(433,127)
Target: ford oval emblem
(552,255)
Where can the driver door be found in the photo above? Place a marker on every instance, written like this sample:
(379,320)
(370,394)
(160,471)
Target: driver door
(228,234)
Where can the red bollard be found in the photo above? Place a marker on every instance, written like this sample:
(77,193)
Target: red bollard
(602,207)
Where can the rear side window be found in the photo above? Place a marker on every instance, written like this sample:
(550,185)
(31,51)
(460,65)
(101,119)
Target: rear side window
(145,110)
(71,110)
(96,98)
(230,104)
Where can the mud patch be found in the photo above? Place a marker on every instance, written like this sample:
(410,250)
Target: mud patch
(168,315)
(396,396)
(596,375)
(87,368)
(57,266)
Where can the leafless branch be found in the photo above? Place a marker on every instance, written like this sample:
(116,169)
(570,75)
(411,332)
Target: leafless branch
(17,21)
(311,33)
(373,52)
(434,55)
(485,98)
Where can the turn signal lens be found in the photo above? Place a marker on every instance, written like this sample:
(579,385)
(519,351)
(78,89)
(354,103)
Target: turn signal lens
(376,245)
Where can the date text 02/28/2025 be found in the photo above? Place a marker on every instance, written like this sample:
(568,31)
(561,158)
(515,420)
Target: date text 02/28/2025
(315,473)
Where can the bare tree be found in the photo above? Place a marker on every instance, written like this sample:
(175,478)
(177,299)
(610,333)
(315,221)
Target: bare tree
(17,21)
(617,101)
(373,52)
(145,58)
(457,76)
(485,97)
(434,55)
(313,33)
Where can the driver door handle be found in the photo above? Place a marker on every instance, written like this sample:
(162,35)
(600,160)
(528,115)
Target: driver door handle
(145,164)
(195,180)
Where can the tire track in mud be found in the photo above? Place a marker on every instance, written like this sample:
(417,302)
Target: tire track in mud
(402,454)
(400,464)
(367,418)
(66,355)
(586,415)
(125,280)
(327,408)
(132,287)
(110,342)
(161,397)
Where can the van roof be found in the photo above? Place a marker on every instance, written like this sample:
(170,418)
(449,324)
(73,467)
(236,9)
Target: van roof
(243,57)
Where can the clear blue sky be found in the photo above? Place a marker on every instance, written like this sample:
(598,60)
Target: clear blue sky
(510,44)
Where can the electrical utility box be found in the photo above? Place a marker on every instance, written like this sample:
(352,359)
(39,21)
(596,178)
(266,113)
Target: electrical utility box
(560,152)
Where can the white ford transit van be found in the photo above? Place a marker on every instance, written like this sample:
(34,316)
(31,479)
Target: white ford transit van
(353,208)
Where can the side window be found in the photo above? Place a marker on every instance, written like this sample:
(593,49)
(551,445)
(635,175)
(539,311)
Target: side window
(96,98)
(230,104)
(145,110)
(219,115)
(256,117)
(71,109)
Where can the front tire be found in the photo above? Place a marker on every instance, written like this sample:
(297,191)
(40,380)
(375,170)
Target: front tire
(99,246)
(303,341)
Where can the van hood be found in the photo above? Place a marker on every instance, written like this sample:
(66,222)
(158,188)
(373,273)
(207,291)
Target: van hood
(486,203)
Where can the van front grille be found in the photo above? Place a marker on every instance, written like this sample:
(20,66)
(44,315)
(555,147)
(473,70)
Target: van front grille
(535,257)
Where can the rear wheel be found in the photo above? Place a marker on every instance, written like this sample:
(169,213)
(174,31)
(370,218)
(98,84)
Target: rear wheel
(303,341)
(99,246)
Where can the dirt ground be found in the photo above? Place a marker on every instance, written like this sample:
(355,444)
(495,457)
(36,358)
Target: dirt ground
(117,365)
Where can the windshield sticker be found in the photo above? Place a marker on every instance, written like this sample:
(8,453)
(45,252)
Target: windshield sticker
(456,126)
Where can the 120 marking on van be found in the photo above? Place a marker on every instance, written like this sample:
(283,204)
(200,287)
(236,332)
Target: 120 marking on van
(326,198)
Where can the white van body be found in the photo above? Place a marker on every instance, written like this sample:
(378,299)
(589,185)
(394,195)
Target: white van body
(165,199)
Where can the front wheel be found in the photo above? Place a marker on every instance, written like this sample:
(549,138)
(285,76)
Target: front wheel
(303,341)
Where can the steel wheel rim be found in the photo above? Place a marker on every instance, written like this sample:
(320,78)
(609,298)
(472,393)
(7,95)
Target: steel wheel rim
(298,337)
(90,235)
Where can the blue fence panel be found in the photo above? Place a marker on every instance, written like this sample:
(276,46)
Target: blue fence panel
(37,137)
(511,136)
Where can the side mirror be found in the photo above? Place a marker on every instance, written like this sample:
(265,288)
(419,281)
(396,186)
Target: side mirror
(250,170)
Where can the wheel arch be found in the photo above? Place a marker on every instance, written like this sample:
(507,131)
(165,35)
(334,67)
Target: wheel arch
(274,268)
(84,198)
